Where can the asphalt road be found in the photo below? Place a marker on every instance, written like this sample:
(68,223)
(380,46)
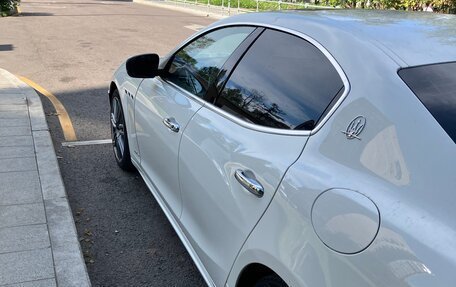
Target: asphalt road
(71,48)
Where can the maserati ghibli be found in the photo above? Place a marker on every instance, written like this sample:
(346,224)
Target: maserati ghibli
(308,148)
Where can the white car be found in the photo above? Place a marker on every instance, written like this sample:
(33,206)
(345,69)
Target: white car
(302,149)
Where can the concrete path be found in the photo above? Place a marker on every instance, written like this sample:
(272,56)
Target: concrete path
(212,11)
(38,241)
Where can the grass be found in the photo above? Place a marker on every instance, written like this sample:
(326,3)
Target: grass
(251,4)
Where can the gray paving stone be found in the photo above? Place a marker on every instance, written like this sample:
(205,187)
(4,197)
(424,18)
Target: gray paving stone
(4,84)
(16,141)
(35,108)
(37,283)
(15,122)
(14,114)
(28,173)
(69,264)
(22,238)
(51,181)
(25,214)
(18,164)
(14,152)
(6,108)
(25,266)
(15,131)
(60,221)
(20,188)
(12,98)
(42,139)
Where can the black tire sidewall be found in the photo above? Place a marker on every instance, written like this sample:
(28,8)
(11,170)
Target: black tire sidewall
(125,162)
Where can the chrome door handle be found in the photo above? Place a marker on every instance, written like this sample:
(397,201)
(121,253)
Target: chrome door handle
(249,183)
(171,124)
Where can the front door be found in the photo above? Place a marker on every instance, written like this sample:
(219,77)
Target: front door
(161,113)
(164,105)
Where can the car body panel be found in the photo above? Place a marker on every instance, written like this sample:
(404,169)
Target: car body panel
(127,88)
(218,212)
(156,101)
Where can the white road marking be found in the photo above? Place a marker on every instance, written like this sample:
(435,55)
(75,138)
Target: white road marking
(110,3)
(82,143)
(194,27)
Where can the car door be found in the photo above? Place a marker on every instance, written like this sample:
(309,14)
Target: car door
(235,152)
(165,104)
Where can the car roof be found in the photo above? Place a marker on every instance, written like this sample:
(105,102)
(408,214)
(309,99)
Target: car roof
(409,38)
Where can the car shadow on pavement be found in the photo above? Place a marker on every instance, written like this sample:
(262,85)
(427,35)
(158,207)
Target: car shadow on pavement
(125,237)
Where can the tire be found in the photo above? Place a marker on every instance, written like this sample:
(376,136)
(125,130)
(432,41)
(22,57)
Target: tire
(270,281)
(119,133)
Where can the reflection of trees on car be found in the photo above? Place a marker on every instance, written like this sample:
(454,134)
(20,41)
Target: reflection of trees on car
(202,43)
(184,70)
(184,58)
(209,74)
(252,106)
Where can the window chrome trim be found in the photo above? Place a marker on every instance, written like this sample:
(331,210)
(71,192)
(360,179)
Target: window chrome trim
(256,127)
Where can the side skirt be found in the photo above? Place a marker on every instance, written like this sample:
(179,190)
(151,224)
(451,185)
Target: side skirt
(176,226)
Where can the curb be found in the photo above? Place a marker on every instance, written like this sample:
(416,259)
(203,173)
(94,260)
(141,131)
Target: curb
(69,265)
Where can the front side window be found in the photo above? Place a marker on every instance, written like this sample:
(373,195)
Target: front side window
(197,65)
(435,87)
(282,82)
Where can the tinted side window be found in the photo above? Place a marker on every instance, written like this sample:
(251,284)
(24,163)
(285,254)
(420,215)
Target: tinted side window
(282,82)
(197,65)
(435,86)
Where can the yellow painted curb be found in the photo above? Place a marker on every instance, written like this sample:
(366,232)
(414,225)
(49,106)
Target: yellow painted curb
(64,118)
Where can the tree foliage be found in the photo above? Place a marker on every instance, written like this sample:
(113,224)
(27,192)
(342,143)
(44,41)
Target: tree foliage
(442,6)
(7,6)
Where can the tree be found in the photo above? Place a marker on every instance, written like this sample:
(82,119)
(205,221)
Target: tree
(8,7)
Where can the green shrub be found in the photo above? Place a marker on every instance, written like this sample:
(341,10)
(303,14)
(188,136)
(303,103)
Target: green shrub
(8,6)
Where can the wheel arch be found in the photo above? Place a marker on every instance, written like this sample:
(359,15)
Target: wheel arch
(253,272)
(112,88)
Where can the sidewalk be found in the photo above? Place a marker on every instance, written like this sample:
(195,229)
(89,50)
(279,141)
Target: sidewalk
(215,12)
(38,239)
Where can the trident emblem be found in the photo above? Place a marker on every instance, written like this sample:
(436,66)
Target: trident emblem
(355,127)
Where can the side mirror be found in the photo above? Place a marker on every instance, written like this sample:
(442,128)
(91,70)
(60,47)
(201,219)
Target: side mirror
(143,66)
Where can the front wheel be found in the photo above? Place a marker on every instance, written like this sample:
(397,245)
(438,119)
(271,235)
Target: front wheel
(119,134)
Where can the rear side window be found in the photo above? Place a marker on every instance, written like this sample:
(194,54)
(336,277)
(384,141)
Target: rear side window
(282,82)
(435,86)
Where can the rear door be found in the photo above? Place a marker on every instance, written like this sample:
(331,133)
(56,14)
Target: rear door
(235,151)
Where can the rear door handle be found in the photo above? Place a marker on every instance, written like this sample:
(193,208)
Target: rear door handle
(249,183)
(171,124)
